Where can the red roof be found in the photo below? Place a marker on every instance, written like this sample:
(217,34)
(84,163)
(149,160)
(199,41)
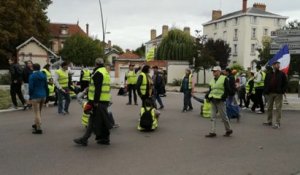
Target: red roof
(72,29)
(129,55)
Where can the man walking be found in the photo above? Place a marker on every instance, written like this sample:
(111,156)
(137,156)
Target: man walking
(98,97)
(61,81)
(259,89)
(275,87)
(144,84)
(217,95)
(187,89)
(158,87)
(130,79)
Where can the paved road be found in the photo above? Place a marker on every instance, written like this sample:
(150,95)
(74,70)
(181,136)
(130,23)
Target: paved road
(178,147)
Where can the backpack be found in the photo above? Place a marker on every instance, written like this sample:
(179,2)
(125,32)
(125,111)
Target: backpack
(146,119)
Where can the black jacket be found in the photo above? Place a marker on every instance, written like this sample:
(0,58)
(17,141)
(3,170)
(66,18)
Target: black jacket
(26,74)
(98,81)
(281,82)
(231,83)
(16,73)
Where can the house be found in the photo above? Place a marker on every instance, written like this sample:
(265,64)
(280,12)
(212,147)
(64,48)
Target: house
(35,51)
(59,32)
(111,53)
(156,40)
(244,30)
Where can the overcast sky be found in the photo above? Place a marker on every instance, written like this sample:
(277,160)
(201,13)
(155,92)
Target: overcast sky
(130,21)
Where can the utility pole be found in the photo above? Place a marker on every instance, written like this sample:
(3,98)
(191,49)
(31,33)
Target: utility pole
(102,21)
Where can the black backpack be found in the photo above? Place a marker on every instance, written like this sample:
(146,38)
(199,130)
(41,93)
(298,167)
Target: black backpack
(146,119)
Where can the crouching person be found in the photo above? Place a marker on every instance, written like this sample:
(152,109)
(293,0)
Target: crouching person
(148,117)
(205,109)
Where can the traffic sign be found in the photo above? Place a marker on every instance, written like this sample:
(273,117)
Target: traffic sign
(273,52)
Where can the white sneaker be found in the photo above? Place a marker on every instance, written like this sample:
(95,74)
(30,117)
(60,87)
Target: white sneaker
(259,112)
(276,126)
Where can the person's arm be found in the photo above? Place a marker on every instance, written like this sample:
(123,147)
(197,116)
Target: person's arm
(46,85)
(257,78)
(30,84)
(98,81)
(81,75)
(226,89)
(138,85)
(251,84)
(55,81)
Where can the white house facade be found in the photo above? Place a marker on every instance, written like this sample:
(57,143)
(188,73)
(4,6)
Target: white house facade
(244,30)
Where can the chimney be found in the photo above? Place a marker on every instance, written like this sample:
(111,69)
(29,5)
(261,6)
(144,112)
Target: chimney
(165,30)
(244,6)
(260,6)
(187,30)
(87,29)
(109,44)
(216,14)
(153,34)
(127,51)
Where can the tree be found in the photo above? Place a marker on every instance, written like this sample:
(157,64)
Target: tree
(219,50)
(82,50)
(140,50)
(292,25)
(264,52)
(177,45)
(21,20)
(118,48)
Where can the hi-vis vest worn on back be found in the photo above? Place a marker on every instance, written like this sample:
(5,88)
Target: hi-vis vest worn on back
(48,74)
(105,89)
(63,78)
(144,84)
(131,77)
(248,87)
(154,119)
(86,75)
(51,89)
(262,81)
(217,87)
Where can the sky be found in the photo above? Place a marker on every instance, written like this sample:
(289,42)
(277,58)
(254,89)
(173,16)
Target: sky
(128,22)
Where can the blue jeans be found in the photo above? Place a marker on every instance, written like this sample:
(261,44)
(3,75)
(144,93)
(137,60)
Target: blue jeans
(64,100)
(157,97)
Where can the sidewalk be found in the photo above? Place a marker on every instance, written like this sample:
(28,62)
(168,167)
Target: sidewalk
(293,100)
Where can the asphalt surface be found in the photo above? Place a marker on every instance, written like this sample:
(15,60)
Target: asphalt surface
(178,147)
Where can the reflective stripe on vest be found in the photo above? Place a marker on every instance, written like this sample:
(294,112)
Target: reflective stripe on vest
(63,78)
(86,75)
(248,86)
(217,87)
(48,74)
(131,77)
(105,89)
(144,83)
(85,117)
(51,89)
(190,81)
(262,81)
(155,121)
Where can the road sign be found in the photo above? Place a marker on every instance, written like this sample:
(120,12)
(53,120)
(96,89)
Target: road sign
(283,40)
(294,32)
(273,52)
(290,45)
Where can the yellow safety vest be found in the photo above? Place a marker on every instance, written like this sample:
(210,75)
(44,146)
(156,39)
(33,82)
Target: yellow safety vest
(144,83)
(63,78)
(248,87)
(190,81)
(86,75)
(217,87)
(51,89)
(154,118)
(206,109)
(262,81)
(48,74)
(105,89)
(131,77)
(85,117)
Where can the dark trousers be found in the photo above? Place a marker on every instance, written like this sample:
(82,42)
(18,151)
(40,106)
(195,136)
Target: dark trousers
(99,124)
(15,89)
(157,97)
(258,100)
(250,97)
(131,89)
(187,100)
(242,96)
(83,85)
(63,106)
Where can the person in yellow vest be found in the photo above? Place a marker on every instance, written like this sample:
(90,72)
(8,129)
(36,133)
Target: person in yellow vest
(85,77)
(51,92)
(144,84)
(205,109)
(259,89)
(98,97)
(61,81)
(218,92)
(148,117)
(46,71)
(187,88)
(250,91)
(130,79)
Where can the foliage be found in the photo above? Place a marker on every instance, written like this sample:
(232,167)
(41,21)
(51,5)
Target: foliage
(5,79)
(237,67)
(82,50)
(177,82)
(292,25)
(177,45)
(118,48)
(140,51)
(21,20)
(264,52)
(4,99)
(219,50)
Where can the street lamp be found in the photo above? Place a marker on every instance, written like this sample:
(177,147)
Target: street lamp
(103,28)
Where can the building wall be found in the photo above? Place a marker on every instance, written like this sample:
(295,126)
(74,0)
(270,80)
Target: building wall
(243,40)
(33,52)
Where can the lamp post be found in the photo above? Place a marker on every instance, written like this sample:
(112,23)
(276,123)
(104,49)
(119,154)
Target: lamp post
(102,22)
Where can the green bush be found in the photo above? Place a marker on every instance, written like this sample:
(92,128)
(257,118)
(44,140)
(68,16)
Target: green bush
(5,79)
(4,99)
(293,86)
(177,82)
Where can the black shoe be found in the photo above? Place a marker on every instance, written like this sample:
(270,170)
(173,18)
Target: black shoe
(184,110)
(190,109)
(80,142)
(55,104)
(162,107)
(25,107)
(210,135)
(267,123)
(136,104)
(37,131)
(33,126)
(128,103)
(103,142)
(228,133)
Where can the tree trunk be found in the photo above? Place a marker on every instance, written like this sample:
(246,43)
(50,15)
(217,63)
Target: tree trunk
(204,76)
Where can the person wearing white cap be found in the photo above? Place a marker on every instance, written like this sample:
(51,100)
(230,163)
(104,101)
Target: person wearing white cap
(217,95)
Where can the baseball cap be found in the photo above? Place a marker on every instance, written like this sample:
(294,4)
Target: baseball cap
(216,68)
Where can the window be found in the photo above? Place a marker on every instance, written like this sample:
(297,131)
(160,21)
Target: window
(253,33)
(215,35)
(225,23)
(235,50)
(235,36)
(225,35)
(252,49)
(236,21)
(253,20)
(216,26)
(266,31)
(64,31)
(62,45)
